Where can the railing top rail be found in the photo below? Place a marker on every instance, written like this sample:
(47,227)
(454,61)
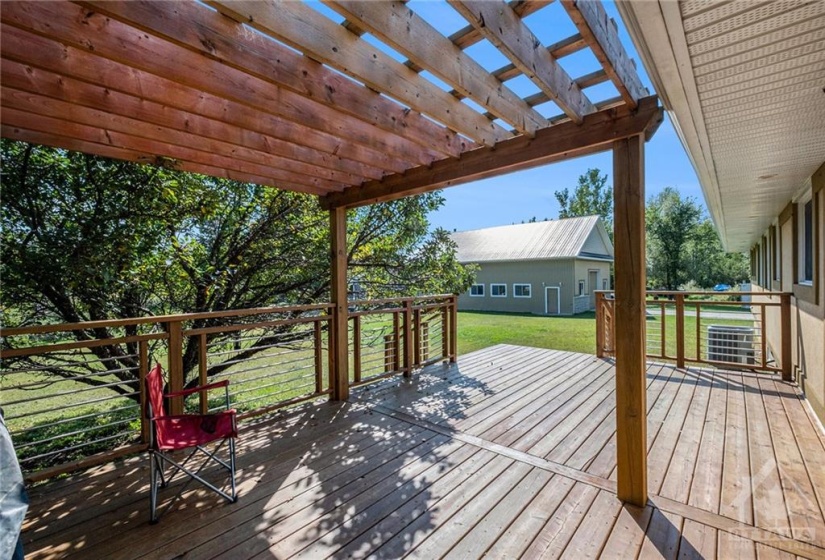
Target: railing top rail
(132,321)
(399,299)
(701,293)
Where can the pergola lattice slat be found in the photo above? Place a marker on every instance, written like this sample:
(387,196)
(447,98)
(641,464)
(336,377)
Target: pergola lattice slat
(502,27)
(603,39)
(303,28)
(402,29)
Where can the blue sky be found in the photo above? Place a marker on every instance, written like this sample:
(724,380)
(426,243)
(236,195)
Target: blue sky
(520,196)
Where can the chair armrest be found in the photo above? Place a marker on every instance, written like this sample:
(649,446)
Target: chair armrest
(200,389)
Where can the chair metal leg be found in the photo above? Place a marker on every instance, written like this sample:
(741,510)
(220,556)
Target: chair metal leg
(153,488)
(232,468)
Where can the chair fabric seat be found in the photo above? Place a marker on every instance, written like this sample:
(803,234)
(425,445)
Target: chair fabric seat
(179,432)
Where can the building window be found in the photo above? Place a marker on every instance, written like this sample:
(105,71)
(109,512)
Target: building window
(477,290)
(498,290)
(775,252)
(806,244)
(604,283)
(581,287)
(522,290)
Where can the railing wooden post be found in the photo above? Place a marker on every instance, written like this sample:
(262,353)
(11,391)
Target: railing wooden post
(453,329)
(356,348)
(786,352)
(445,333)
(143,369)
(417,337)
(175,365)
(339,389)
(203,398)
(396,338)
(409,346)
(600,324)
(680,330)
(319,357)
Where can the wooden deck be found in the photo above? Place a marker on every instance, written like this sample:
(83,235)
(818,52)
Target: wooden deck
(510,453)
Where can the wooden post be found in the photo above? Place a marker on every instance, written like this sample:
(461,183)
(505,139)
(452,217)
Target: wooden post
(356,348)
(629,306)
(600,324)
(339,389)
(143,369)
(319,357)
(175,365)
(409,345)
(453,329)
(786,353)
(203,398)
(417,337)
(396,335)
(445,333)
(680,330)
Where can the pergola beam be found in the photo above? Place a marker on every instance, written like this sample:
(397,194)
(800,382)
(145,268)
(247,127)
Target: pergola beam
(105,150)
(211,34)
(137,49)
(47,67)
(596,133)
(398,26)
(303,28)
(504,28)
(603,38)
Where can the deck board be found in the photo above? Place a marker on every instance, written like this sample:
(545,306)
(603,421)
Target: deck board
(509,453)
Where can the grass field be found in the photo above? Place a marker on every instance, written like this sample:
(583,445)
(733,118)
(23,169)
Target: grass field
(478,330)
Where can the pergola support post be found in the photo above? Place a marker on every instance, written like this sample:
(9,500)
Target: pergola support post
(631,396)
(339,379)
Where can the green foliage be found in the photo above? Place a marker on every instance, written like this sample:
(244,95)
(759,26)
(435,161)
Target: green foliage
(670,224)
(682,246)
(591,197)
(87,238)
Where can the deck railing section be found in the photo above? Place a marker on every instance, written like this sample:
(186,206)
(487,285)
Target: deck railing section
(72,394)
(399,335)
(731,329)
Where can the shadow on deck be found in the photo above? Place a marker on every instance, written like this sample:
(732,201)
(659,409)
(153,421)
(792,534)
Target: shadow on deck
(509,453)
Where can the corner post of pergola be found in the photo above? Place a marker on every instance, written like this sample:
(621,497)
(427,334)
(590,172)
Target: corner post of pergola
(339,370)
(631,396)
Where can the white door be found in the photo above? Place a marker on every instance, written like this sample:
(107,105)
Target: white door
(552,300)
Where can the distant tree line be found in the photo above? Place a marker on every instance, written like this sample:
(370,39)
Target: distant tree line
(682,243)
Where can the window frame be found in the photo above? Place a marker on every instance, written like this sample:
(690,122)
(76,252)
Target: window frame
(521,285)
(580,291)
(803,288)
(477,286)
(498,285)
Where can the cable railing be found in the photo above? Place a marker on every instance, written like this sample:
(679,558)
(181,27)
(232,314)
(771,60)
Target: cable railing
(744,330)
(73,394)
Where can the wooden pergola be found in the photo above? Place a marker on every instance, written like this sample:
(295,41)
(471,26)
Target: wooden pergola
(284,94)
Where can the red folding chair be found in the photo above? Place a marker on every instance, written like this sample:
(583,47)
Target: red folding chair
(186,431)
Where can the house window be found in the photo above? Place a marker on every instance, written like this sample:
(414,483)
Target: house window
(522,290)
(477,290)
(806,244)
(604,283)
(498,290)
(581,287)
(777,261)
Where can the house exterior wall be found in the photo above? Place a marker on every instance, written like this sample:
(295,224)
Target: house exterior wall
(562,274)
(807,302)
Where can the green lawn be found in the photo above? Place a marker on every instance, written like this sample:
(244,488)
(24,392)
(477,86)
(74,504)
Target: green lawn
(478,330)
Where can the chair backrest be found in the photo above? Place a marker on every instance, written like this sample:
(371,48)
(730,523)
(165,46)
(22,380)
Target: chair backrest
(154,387)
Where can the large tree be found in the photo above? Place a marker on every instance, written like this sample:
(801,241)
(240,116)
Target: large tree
(707,262)
(670,222)
(87,238)
(592,196)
